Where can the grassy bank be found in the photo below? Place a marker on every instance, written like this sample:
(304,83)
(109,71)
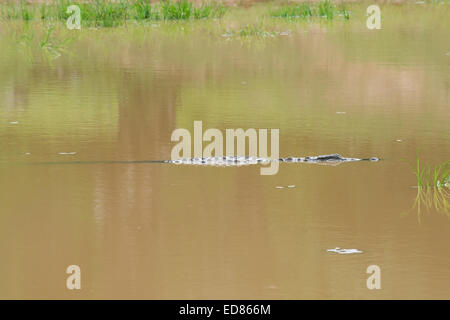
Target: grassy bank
(112,13)
(324,9)
(107,14)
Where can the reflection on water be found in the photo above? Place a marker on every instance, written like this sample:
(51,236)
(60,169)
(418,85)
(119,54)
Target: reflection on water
(432,199)
(165,231)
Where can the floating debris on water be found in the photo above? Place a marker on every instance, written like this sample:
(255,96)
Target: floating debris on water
(344,251)
(27,153)
(283,187)
(14,122)
(341,112)
(399,140)
(67,153)
(279,187)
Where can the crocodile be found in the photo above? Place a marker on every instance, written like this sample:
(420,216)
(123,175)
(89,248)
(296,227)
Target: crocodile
(331,159)
(239,161)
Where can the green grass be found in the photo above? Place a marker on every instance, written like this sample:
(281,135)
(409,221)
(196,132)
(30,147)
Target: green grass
(433,185)
(27,14)
(324,9)
(22,11)
(432,176)
(207,11)
(180,10)
(145,11)
(101,13)
(253,30)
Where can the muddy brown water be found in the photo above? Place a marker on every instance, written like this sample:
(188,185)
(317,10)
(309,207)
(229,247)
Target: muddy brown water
(185,232)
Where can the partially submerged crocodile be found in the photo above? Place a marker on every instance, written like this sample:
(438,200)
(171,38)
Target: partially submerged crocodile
(239,161)
(222,161)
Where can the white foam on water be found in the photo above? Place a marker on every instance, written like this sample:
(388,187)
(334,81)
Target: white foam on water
(344,251)
(67,153)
